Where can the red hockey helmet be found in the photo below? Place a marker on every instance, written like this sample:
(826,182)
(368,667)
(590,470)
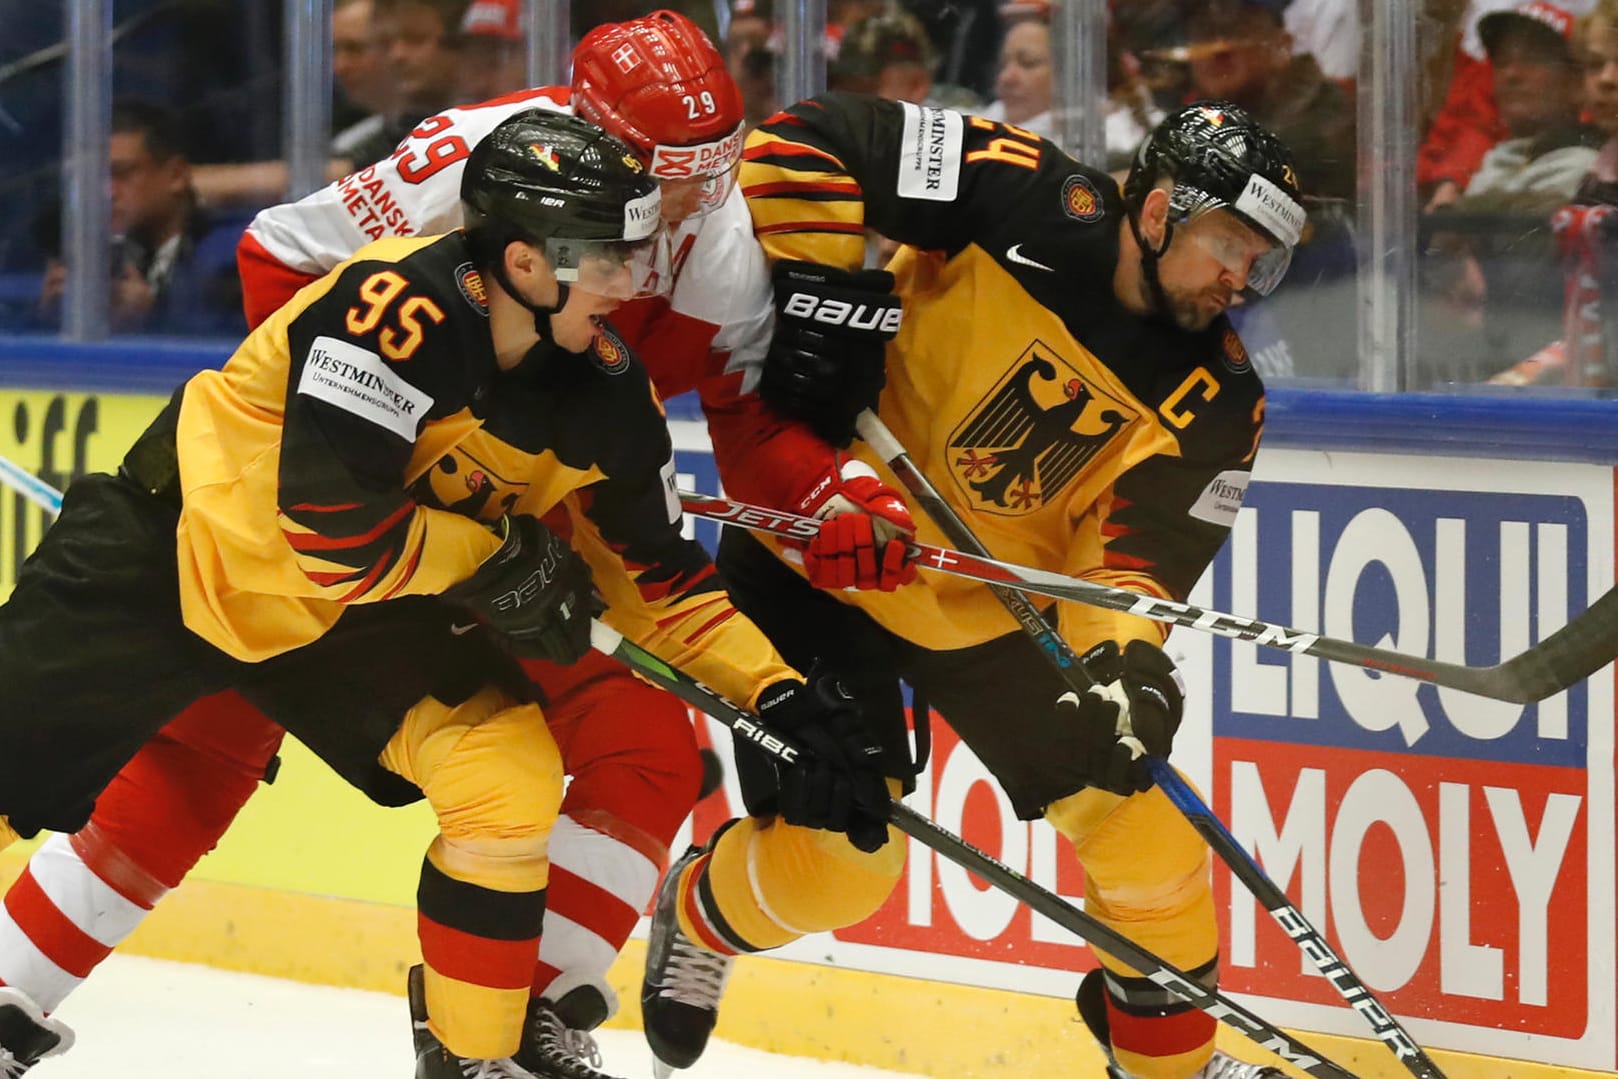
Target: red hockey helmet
(659,84)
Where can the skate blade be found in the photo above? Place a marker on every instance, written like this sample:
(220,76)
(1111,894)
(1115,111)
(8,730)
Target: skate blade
(661,1070)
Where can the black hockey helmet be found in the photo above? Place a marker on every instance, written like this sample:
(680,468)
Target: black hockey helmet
(563,183)
(1220,158)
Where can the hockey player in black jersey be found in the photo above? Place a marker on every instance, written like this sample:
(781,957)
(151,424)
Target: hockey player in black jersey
(1065,375)
(344,524)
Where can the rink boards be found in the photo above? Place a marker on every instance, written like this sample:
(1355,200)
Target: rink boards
(1460,852)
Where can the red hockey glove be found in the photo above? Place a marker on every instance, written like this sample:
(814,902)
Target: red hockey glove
(863,543)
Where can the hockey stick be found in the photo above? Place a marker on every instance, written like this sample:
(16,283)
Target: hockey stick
(925,831)
(948,845)
(1562,660)
(30,486)
(1343,979)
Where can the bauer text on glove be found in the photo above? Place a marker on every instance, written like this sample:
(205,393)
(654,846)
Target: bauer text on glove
(535,591)
(825,361)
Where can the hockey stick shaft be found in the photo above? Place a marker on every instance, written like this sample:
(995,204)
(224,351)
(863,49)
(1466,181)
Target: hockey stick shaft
(1292,922)
(1570,655)
(950,846)
(30,486)
(925,831)
(1348,985)
(1562,660)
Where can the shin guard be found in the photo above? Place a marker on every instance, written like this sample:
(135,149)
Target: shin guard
(493,775)
(1147,875)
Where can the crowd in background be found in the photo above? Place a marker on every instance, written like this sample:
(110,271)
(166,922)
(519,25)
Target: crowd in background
(1519,102)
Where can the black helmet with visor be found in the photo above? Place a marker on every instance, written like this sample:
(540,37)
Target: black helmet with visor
(1217,157)
(561,183)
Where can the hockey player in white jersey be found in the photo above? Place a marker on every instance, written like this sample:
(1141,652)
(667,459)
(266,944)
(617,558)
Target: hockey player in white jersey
(659,84)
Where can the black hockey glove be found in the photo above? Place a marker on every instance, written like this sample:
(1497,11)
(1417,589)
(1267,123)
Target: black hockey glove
(825,363)
(1133,712)
(839,786)
(535,591)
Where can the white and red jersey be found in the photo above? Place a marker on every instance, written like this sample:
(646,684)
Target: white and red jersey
(708,333)
(414,192)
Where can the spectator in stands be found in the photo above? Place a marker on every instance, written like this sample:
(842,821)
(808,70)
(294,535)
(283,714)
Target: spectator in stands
(1022,88)
(1539,92)
(1025,95)
(173,268)
(420,40)
(1468,124)
(751,46)
(494,50)
(889,54)
(754,41)
(1240,51)
(364,82)
(1585,231)
(1499,247)
(369,119)
(1597,43)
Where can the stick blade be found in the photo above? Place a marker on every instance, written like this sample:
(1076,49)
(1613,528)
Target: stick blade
(1567,657)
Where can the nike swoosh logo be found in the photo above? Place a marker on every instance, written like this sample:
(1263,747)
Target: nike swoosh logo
(1014,253)
(461,631)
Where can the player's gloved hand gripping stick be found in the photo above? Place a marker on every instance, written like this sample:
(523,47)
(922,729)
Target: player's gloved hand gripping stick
(948,845)
(1559,662)
(1387,1028)
(923,830)
(535,592)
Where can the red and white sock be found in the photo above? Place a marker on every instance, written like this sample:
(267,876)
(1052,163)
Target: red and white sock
(78,898)
(599,886)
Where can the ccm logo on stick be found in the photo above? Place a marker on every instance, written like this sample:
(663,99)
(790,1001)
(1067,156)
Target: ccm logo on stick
(884,318)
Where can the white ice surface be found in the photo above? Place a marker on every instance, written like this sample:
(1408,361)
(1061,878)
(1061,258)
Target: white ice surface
(145,1019)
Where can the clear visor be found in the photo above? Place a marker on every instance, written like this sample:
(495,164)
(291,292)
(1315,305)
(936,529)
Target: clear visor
(1261,263)
(620,269)
(697,196)
(696,179)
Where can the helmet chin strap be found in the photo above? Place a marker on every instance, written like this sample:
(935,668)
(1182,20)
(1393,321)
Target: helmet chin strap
(1149,256)
(542,315)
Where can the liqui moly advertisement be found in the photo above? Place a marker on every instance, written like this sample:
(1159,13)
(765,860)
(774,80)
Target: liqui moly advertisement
(1457,851)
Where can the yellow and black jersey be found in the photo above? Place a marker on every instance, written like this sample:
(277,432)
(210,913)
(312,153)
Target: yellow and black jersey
(1070,433)
(359,442)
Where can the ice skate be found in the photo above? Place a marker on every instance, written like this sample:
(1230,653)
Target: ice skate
(27,1034)
(433,1058)
(556,1040)
(684,981)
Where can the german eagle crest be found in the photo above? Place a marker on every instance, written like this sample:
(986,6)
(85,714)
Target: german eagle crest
(1030,437)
